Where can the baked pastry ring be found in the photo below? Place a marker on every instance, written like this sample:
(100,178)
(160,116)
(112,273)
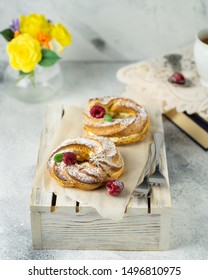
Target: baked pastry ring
(98,161)
(129,121)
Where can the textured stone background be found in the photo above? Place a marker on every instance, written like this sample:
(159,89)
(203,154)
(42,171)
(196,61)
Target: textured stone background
(116,29)
(21,125)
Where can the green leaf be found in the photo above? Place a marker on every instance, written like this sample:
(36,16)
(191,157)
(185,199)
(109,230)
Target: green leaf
(48,58)
(8,34)
(58,157)
(30,75)
(24,73)
(108,118)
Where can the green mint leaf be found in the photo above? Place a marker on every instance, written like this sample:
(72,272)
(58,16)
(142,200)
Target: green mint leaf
(8,34)
(48,58)
(108,118)
(58,157)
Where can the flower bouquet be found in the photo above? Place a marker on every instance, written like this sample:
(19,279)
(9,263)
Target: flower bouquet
(34,40)
(34,45)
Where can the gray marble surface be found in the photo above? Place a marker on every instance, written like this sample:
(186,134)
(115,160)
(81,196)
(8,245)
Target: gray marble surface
(20,126)
(116,29)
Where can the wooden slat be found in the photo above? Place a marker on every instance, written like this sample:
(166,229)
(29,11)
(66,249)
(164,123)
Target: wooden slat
(40,200)
(165,224)
(90,231)
(36,230)
(65,204)
(53,117)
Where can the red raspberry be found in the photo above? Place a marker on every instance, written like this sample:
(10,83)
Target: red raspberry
(114,187)
(177,78)
(97,112)
(69,158)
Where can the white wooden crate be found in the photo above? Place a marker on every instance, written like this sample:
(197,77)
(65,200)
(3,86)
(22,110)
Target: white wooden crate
(57,222)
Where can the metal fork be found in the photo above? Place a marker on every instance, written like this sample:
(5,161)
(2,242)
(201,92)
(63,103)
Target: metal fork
(143,190)
(156,178)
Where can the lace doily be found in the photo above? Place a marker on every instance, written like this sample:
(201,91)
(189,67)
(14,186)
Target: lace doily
(150,80)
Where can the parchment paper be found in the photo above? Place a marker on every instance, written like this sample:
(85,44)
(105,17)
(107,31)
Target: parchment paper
(135,157)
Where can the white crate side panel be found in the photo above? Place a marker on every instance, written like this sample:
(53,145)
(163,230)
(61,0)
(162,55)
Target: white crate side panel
(135,232)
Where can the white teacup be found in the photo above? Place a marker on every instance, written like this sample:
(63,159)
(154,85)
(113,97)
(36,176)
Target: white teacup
(201,55)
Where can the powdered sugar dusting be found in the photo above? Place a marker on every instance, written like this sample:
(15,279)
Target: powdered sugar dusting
(86,173)
(59,167)
(103,153)
(140,117)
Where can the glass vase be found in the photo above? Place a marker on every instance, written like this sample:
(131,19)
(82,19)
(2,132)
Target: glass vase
(44,84)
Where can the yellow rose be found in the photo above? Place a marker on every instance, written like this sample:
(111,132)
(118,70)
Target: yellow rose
(24,52)
(61,35)
(33,24)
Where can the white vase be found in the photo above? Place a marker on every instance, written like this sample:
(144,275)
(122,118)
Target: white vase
(201,56)
(45,84)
